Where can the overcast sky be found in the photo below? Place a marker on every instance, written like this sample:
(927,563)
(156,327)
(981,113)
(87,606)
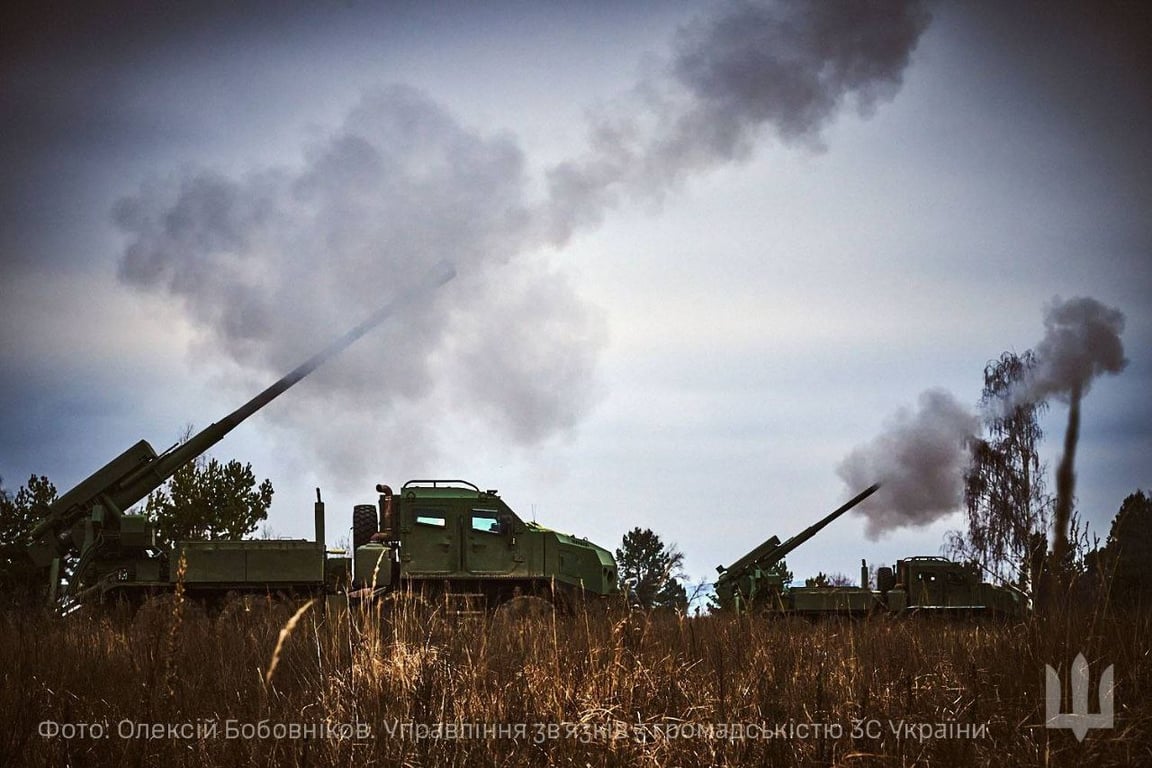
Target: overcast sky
(704,250)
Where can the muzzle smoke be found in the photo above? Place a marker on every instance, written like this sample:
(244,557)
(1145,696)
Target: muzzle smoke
(786,69)
(921,457)
(919,460)
(269,265)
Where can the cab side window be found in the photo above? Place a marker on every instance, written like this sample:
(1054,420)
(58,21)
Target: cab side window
(486,521)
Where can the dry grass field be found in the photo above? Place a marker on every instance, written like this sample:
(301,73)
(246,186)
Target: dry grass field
(174,686)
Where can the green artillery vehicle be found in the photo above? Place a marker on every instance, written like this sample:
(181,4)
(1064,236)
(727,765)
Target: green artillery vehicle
(751,584)
(938,585)
(917,584)
(922,585)
(87,547)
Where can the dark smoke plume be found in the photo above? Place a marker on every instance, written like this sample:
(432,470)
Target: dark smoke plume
(1081,342)
(270,265)
(1066,480)
(786,68)
(919,460)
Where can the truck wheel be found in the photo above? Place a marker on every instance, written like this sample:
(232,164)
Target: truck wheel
(364,524)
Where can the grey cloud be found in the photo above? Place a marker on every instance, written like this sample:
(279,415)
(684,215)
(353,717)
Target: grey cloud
(920,460)
(789,67)
(1081,342)
(921,457)
(271,263)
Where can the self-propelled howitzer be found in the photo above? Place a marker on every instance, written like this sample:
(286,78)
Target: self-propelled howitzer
(749,581)
(90,522)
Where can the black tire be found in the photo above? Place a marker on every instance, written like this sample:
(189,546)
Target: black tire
(364,524)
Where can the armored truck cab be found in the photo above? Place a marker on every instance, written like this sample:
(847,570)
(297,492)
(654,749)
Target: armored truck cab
(447,537)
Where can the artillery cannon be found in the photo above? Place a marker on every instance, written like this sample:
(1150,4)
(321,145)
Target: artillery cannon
(90,522)
(919,585)
(750,583)
(444,538)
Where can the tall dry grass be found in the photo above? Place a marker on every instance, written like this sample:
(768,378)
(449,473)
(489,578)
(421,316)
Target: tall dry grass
(605,688)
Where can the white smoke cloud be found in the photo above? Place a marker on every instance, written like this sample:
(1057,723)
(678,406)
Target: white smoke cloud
(919,459)
(273,264)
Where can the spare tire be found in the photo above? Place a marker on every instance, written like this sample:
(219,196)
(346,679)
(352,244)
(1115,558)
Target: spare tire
(364,524)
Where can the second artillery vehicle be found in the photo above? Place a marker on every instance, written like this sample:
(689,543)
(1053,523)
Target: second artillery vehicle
(446,537)
(917,584)
(753,582)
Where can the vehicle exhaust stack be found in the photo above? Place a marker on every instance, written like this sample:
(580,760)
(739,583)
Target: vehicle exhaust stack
(319,518)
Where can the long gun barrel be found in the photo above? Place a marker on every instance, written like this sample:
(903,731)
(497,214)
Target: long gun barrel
(131,476)
(772,550)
